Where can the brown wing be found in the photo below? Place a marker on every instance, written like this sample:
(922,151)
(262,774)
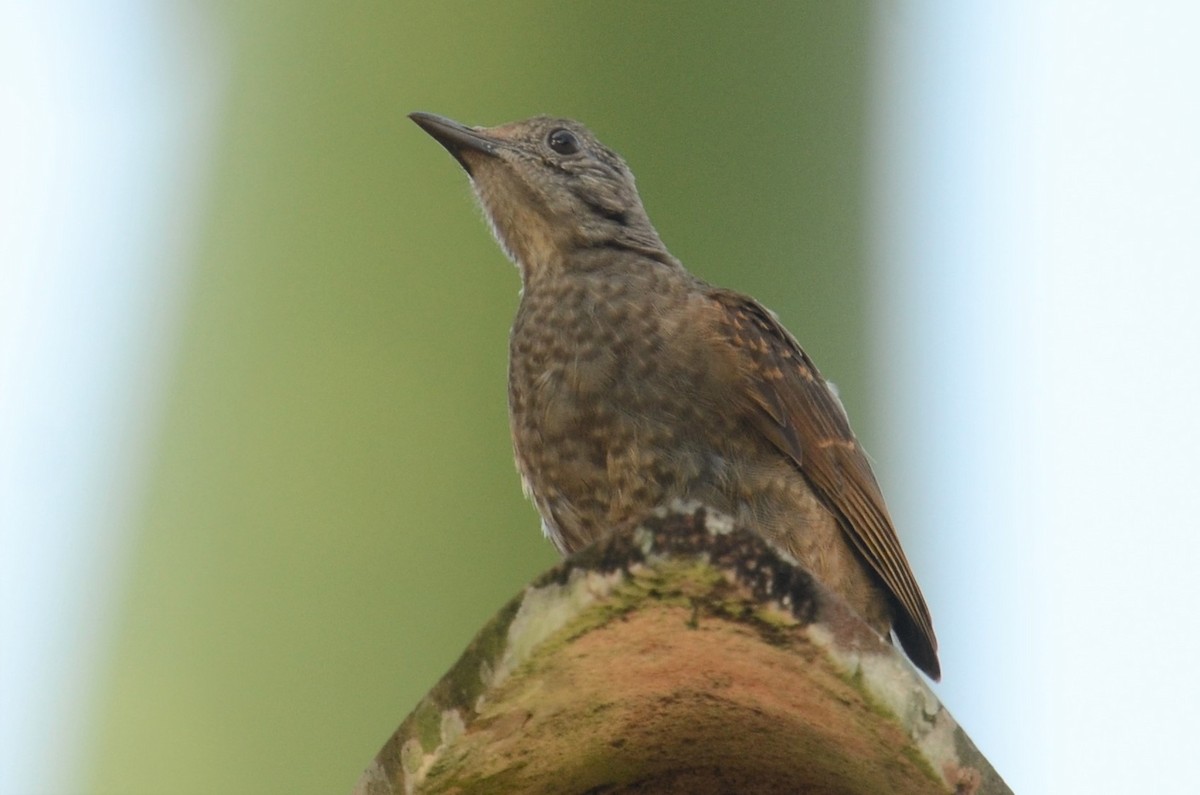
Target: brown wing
(791,405)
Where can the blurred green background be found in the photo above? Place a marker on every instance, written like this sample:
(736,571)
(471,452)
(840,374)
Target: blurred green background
(332,509)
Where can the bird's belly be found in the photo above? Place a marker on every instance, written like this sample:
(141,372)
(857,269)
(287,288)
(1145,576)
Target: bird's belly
(600,449)
(594,455)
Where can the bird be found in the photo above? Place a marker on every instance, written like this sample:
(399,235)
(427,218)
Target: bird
(634,383)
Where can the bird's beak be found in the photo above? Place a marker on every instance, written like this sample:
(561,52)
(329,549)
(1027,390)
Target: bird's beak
(457,138)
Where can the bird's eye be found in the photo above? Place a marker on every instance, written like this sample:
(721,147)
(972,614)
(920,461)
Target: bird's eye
(563,141)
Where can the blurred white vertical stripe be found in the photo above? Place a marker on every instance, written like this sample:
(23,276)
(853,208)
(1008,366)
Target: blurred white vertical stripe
(951,334)
(1038,218)
(106,118)
(1116,219)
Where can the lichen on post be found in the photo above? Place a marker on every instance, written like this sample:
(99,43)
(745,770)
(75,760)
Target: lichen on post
(685,656)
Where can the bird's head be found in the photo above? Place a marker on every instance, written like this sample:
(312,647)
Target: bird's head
(549,189)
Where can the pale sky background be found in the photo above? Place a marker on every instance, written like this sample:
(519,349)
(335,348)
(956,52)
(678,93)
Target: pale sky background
(1037,216)
(1038,172)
